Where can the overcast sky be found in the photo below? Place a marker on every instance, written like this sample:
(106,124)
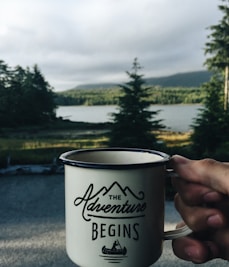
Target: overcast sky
(90,41)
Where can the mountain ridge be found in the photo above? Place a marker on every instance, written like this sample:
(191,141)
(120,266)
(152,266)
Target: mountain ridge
(183,79)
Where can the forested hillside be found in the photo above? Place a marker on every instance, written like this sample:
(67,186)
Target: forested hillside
(188,79)
(158,95)
(175,89)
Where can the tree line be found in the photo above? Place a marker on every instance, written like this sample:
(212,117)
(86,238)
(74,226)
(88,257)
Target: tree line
(111,96)
(26,98)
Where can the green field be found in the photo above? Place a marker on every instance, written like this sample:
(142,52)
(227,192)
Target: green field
(44,145)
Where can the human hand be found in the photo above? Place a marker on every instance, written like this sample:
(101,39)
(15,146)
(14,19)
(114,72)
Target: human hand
(202,200)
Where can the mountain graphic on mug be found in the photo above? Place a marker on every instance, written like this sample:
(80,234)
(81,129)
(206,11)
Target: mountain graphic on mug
(117,190)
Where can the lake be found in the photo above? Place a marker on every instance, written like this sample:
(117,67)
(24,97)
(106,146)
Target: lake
(175,117)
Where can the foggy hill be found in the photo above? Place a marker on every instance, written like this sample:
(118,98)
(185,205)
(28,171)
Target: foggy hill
(186,79)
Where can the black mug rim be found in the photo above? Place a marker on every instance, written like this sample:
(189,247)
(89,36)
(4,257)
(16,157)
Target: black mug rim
(64,158)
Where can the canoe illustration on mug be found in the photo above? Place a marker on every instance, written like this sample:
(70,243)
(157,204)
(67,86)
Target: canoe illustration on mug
(116,249)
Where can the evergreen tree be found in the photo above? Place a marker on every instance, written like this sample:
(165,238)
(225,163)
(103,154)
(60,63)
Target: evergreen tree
(211,125)
(36,88)
(218,48)
(133,124)
(25,97)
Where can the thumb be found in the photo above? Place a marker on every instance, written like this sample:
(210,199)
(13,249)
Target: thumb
(208,172)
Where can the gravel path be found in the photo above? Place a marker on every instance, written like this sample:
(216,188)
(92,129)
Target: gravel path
(32,232)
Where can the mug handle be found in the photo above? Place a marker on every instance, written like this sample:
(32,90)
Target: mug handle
(177,233)
(182,231)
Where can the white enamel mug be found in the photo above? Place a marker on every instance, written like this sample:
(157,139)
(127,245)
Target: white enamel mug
(114,200)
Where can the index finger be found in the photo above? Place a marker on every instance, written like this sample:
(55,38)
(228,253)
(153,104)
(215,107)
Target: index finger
(195,194)
(208,172)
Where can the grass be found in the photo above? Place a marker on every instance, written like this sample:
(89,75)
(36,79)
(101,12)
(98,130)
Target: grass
(175,139)
(30,144)
(43,146)
(42,151)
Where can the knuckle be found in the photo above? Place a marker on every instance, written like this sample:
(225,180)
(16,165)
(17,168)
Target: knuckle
(207,163)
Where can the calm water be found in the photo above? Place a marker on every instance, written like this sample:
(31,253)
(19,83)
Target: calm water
(175,117)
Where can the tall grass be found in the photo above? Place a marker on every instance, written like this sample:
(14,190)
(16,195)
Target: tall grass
(41,151)
(174,139)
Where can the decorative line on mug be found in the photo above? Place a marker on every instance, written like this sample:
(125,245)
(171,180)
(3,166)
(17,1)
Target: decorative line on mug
(113,259)
(115,217)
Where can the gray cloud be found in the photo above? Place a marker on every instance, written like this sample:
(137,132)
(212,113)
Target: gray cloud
(84,41)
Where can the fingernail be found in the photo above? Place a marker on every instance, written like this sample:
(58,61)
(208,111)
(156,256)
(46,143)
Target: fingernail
(179,159)
(215,221)
(192,254)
